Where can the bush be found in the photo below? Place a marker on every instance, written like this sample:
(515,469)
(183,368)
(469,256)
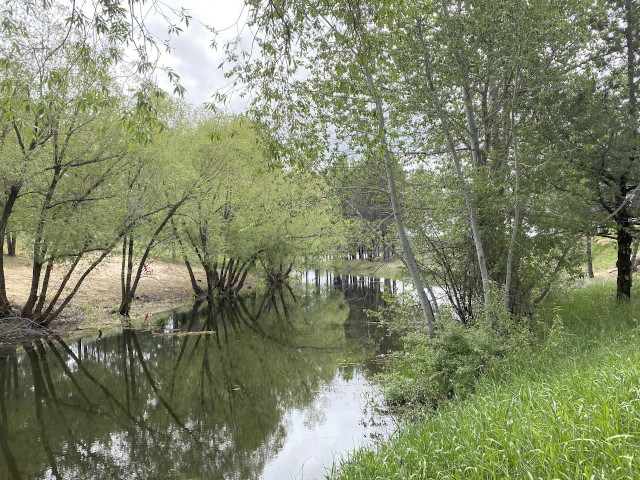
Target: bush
(430,372)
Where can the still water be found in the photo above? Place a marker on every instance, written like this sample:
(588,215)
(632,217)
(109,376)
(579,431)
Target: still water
(276,386)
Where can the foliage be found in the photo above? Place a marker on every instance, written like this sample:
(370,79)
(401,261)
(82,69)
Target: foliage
(360,189)
(63,148)
(241,210)
(594,122)
(454,100)
(89,164)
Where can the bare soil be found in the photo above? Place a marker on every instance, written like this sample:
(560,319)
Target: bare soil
(94,307)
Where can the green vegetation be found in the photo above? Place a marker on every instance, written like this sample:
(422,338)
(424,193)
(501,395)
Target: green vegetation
(91,167)
(566,407)
(604,255)
(377,268)
(482,151)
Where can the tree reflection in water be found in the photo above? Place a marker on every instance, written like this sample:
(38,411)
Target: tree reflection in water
(181,402)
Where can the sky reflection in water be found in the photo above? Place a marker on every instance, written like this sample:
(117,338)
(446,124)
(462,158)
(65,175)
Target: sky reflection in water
(280,391)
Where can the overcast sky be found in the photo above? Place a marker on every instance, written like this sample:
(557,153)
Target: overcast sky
(192,57)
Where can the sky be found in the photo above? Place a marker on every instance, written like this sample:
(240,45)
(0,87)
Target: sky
(192,56)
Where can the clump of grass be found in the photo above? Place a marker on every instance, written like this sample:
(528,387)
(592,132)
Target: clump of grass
(570,408)
(86,308)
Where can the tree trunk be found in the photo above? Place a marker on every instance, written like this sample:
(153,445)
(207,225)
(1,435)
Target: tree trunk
(634,254)
(44,287)
(39,245)
(123,268)
(632,17)
(125,276)
(36,271)
(624,258)
(5,306)
(240,283)
(11,244)
(589,258)
(197,290)
(407,251)
(45,316)
(516,205)
(475,229)
(132,283)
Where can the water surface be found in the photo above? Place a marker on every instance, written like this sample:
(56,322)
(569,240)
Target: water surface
(278,386)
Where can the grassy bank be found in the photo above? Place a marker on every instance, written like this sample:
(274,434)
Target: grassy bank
(604,253)
(376,268)
(567,408)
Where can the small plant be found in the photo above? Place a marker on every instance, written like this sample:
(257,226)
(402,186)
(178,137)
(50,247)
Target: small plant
(86,308)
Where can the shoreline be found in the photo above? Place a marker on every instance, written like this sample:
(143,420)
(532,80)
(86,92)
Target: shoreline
(94,307)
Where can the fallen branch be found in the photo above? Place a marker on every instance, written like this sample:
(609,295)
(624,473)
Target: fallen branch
(185,334)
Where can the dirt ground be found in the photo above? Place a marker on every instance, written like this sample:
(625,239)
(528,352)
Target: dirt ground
(93,307)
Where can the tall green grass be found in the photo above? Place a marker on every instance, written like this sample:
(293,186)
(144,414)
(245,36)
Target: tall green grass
(567,409)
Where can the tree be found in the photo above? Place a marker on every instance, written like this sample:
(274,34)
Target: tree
(595,119)
(471,93)
(63,147)
(292,219)
(615,137)
(361,191)
(155,192)
(340,104)
(215,155)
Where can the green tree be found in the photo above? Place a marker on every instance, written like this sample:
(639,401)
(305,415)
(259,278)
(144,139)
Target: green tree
(156,189)
(217,152)
(63,147)
(325,73)
(611,142)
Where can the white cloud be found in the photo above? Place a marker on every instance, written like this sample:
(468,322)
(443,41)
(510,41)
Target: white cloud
(192,56)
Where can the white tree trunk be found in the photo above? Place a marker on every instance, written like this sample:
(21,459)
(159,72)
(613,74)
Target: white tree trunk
(407,251)
(457,163)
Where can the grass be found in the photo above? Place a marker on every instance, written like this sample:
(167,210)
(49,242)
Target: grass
(567,409)
(604,255)
(376,268)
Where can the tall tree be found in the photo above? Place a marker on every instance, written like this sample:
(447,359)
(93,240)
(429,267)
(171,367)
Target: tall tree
(596,119)
(327,79)
(619,174)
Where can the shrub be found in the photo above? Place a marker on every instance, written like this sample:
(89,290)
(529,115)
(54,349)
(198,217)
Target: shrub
(430,372)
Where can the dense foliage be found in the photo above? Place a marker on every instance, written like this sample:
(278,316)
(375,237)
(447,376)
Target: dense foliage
(480,122)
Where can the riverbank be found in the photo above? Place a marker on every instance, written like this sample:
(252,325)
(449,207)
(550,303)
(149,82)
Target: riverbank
(567,408)
(372,268)
(93,308)
(604,253)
